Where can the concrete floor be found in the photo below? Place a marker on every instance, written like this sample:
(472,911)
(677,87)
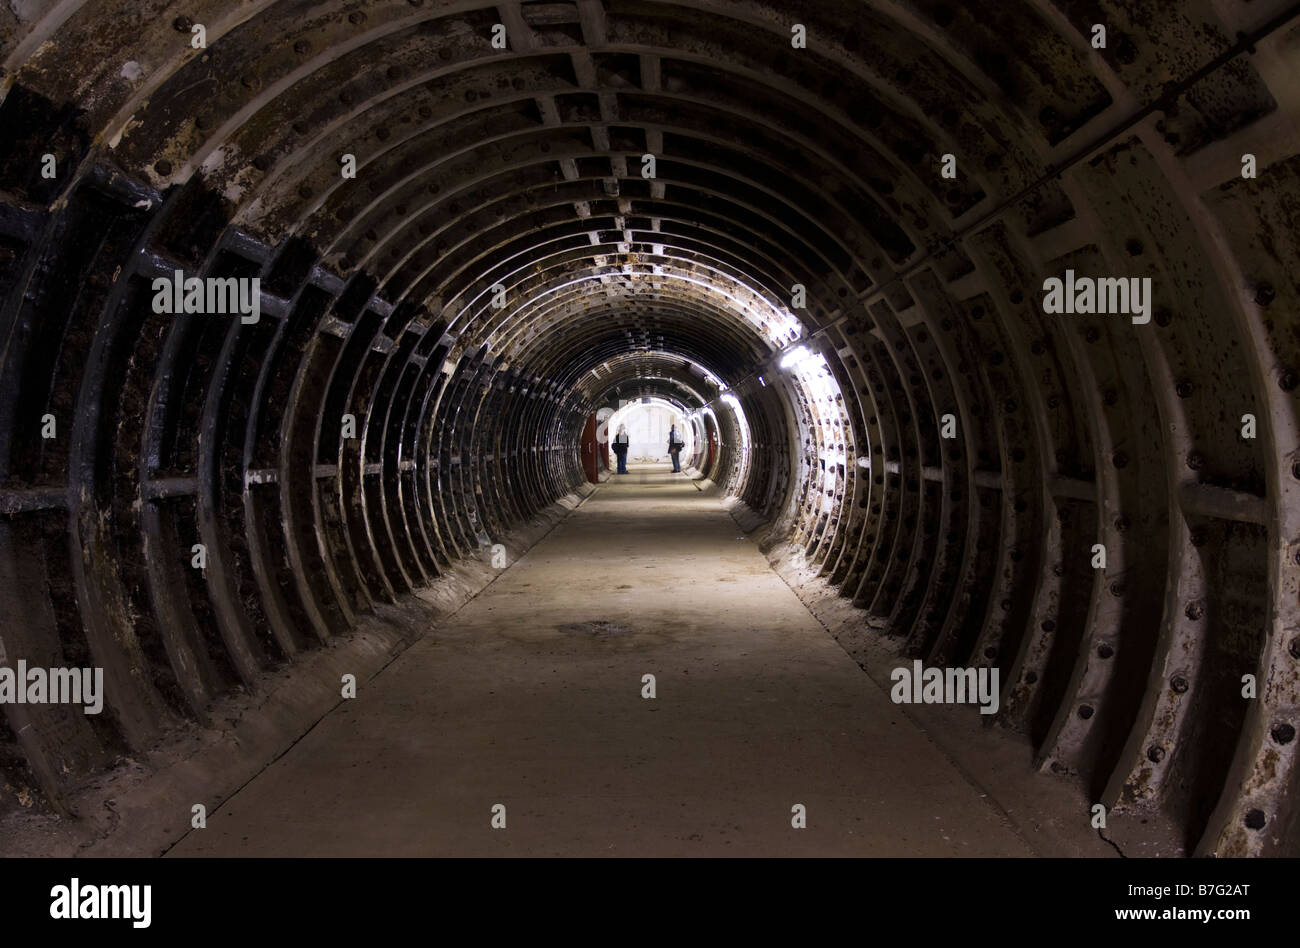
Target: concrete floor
(531,697)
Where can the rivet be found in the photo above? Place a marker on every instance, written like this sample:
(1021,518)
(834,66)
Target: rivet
(1155,754)
(1179,684)
(1085,711)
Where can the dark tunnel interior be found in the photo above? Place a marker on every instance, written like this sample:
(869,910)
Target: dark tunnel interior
(824,231)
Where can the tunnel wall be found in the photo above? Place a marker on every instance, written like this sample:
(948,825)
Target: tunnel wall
(264,521)
(184,506)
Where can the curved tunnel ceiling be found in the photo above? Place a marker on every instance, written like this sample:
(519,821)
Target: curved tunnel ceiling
(639,198)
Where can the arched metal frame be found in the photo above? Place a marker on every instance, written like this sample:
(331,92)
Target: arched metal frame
(479,168)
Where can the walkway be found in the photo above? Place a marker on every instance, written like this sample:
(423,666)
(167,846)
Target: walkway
(531,697)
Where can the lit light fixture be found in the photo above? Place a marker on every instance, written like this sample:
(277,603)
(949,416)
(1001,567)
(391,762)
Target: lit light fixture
(794,357)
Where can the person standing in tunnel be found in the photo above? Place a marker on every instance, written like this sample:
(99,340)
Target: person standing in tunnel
(675,445)
(621,443)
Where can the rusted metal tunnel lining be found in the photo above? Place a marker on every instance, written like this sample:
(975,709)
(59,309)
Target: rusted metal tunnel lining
(502,265)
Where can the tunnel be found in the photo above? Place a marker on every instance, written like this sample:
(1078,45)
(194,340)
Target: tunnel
(984,319)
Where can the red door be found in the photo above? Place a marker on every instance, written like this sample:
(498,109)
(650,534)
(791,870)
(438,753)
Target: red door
(589,449)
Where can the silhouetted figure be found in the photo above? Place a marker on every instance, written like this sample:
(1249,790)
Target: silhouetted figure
(675,445)
(621,443)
